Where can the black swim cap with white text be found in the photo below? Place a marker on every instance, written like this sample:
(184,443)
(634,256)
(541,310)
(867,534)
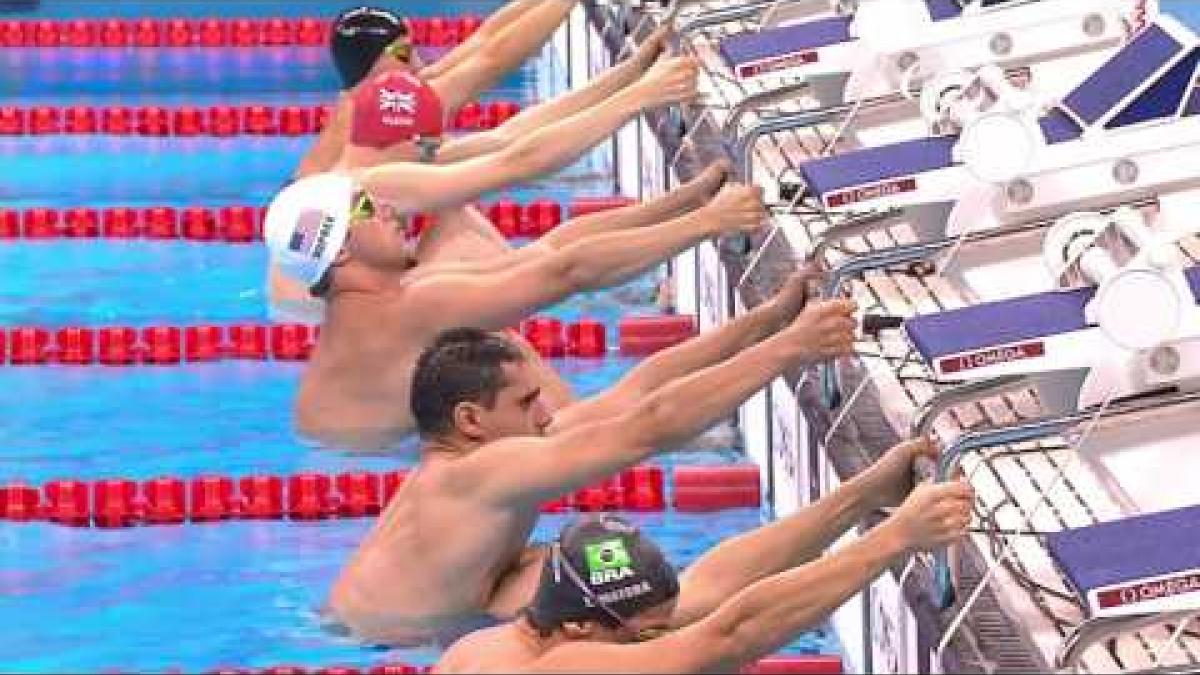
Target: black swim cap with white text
(358,39)
(617,573)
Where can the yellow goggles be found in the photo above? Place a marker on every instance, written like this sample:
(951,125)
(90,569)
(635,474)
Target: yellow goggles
(363,208)
(400,49)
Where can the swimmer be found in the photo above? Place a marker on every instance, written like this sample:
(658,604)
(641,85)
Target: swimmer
(461,232)
(368,41)
(346,237)
(608,600)
(494,453)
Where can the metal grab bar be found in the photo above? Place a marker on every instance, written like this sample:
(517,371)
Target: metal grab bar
(942,402)
(855,226)
(744,145)
(1031,431)
(725,15)
(762,100)
(1097,630)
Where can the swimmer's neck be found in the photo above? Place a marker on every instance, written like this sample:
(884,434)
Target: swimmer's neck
(533,640)
(362,297)
(449,447)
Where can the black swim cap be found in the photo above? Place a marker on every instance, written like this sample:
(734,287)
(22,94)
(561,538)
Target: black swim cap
(359,37)
(601,569)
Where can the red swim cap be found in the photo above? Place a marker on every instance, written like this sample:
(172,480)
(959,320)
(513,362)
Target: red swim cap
(395,107)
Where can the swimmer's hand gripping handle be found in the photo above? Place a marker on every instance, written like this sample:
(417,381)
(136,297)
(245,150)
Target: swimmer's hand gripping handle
(925,469)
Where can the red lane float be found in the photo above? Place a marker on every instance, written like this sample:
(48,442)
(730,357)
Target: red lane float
(713,488)
(218,121)
(241,223)
(20,502)
(212,32)
(586,338)
(168,500)
(645,335)
(546,336)
(173,345)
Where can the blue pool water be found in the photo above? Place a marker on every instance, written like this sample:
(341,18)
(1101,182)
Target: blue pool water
(244,593)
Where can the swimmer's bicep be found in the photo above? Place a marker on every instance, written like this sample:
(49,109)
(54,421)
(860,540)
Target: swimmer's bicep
(413,187)
(492,301)
(530,470)
(473,145)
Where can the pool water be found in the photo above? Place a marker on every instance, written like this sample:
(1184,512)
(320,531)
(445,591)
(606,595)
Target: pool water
(199,596)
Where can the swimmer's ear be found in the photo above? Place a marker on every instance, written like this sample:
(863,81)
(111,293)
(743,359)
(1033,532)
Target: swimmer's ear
(468,420)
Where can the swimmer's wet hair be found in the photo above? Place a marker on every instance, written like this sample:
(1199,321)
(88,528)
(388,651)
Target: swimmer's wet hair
(462,365)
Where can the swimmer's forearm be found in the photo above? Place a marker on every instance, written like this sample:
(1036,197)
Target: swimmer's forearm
(531,119)
(496,22)
(417,187)
(789,542)
(674,414)
(704,350)
(608,259)
(523,37)
(500,54)
(557,145)
(673,204)
(596,92)
(770,613)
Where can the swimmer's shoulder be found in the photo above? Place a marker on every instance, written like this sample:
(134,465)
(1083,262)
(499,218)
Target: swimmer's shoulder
(489,650)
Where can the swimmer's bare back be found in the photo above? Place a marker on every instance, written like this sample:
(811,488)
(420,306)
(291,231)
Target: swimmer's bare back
(420,573)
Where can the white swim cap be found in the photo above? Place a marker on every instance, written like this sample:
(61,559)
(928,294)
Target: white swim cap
(307,224)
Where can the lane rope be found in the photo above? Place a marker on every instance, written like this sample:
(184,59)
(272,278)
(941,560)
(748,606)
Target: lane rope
(242,223)
(169,345)
(170,500)
(436,31)
(218,121)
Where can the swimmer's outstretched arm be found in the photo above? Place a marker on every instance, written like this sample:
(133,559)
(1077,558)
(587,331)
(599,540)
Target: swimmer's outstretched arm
(668,418)
(768,614)
(595,93)
(507,296)
(674,203)
(500,54)
(790,542)
(697,353)
(497,21)
(413,188)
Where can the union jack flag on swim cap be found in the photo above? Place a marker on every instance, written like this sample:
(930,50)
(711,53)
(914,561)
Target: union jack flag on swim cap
(395,107)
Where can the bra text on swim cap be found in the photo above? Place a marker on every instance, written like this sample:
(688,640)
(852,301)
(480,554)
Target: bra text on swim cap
(608,561)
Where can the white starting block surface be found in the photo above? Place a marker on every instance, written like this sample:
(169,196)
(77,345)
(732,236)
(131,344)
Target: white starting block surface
(1024,490)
